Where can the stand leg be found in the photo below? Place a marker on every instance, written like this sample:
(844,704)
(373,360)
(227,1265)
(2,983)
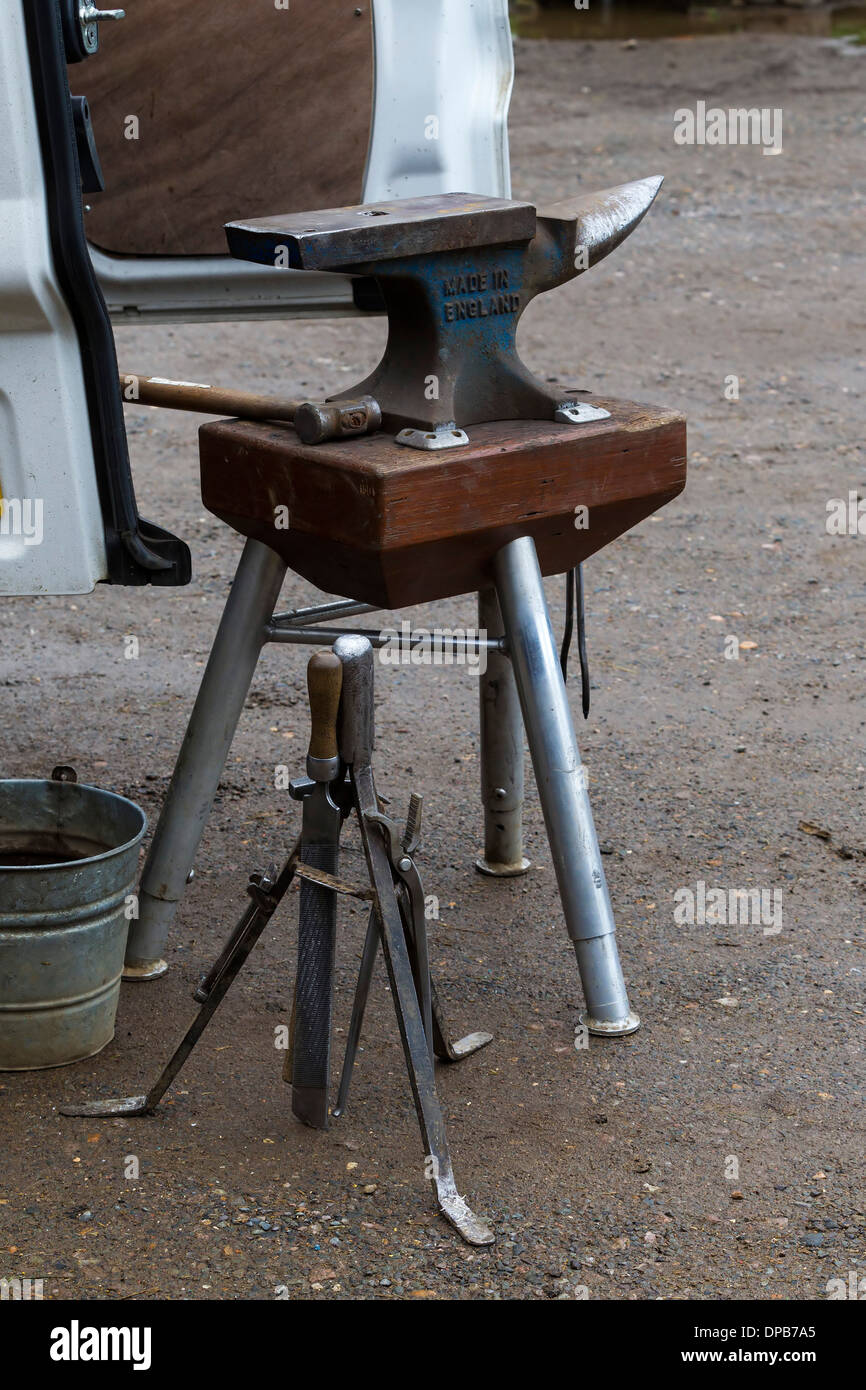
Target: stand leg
(561,788)
(226,681)
(501,755)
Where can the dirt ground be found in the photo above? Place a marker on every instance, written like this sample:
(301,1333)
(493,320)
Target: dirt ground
(717,1153)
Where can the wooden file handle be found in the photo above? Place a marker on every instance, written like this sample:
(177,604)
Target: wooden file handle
(324,682)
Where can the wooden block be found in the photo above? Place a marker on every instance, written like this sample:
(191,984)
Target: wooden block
(371,520)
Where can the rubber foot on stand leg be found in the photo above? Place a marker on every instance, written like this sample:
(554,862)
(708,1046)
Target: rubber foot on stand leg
(145,970)
(615,1028)
(491,870)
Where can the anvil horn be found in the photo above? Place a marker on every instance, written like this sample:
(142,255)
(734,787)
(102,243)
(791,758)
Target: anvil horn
(603,219)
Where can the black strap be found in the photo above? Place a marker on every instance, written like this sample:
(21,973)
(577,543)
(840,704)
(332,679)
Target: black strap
(574,607)
(138,551)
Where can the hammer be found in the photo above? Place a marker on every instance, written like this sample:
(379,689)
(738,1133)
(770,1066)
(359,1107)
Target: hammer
(314,422)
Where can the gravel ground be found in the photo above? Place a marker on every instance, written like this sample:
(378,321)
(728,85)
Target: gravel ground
(717,1153)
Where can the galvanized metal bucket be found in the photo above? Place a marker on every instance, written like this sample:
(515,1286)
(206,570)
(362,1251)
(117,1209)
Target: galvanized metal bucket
(68,862)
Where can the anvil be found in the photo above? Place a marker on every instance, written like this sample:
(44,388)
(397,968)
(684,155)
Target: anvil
(455,273)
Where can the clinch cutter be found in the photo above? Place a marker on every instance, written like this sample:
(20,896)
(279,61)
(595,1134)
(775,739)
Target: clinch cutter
(340,781)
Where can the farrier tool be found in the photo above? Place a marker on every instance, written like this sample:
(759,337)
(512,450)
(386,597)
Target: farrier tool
(340,780)
(317,919)
(314,421)
(455,272)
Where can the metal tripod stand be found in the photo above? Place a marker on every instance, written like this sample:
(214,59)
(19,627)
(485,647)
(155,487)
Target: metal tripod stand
(524,677)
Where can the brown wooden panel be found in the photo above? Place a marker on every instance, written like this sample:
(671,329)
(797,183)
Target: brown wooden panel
(375,521)
(243,109)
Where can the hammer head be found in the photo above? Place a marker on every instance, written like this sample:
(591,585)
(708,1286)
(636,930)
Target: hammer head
(455,272)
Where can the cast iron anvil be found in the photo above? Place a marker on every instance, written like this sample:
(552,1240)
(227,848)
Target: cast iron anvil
(455,272)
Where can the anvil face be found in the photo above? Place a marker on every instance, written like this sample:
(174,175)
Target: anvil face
(455,273)
(343,238)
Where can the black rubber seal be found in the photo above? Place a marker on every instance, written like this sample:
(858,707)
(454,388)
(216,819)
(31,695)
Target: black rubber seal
(138,551)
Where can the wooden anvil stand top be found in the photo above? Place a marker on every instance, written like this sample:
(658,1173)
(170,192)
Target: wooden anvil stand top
(374,521)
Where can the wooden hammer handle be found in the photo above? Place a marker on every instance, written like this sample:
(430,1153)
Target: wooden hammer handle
(207,400)
(324,682)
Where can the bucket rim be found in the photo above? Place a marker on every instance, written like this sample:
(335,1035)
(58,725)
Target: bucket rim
(90,858)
